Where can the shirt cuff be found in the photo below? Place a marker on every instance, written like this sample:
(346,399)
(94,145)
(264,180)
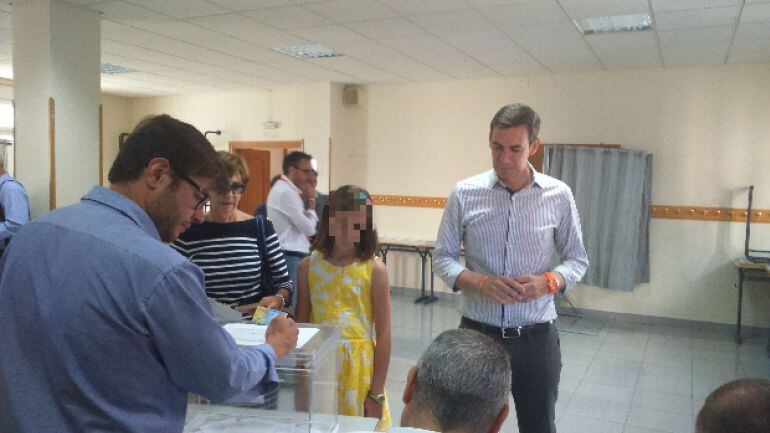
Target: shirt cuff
(569,277)
(451,273)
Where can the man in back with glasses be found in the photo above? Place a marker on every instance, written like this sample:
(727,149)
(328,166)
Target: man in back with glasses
(103,326)
(291,206)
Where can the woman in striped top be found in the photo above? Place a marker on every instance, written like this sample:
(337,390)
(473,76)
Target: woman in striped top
(226,247)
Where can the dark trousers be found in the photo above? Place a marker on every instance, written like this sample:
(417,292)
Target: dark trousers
(535,369)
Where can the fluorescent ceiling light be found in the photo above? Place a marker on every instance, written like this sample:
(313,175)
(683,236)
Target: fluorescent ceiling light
(616,24)
(111,69)
(312,51)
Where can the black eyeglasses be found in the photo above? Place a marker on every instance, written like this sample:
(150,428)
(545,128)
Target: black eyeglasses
(237,187)
(201,193)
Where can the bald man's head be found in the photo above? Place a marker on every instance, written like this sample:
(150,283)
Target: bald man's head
(741,406)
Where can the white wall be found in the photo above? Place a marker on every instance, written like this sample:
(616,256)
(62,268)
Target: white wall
(706,127)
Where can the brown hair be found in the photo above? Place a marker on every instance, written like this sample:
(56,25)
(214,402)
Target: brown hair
(515,115)
(347,198)
(185,148)
(233,164)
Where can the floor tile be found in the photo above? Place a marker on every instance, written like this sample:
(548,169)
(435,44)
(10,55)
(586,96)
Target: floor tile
(661,401)
(577,424)
(659,420)
(623,373)
(596,408)
(615,394)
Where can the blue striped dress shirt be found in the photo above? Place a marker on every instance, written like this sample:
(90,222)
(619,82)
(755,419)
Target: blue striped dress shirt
(510,234)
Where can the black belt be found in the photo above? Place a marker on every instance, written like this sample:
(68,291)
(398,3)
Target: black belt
(506,333)
(295,254)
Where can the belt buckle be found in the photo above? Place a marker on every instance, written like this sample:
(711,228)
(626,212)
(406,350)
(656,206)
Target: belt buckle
(515,334)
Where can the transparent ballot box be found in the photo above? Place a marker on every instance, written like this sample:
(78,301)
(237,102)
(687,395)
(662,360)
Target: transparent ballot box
(305,400)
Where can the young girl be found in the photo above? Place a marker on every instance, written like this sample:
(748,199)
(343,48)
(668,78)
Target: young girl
(342,283)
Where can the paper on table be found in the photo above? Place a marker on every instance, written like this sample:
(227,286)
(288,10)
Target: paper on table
(248,334)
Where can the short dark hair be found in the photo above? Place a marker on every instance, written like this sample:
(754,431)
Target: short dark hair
(516,115)
(463,380)
(234,163)
(292,159)
(347,198)
(740,406)
(162,136)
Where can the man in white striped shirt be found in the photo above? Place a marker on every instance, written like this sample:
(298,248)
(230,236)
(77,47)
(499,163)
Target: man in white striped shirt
(512,221)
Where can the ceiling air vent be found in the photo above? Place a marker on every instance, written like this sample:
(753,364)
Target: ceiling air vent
(616,24)
(111,69)
(312,51)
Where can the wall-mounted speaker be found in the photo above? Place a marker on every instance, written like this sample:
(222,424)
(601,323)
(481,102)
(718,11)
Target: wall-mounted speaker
(350,96)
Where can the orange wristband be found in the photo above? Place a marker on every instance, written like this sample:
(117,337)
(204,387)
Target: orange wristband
(480,286)
(551,283)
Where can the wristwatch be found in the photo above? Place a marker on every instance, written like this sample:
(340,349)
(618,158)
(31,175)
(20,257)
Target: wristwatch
(551,283)
(378,398)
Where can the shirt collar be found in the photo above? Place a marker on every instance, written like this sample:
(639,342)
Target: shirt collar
(5,177)
(538,179)
(289,182)
(124,205)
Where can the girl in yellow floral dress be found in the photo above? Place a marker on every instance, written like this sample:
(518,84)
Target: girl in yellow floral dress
(342,283)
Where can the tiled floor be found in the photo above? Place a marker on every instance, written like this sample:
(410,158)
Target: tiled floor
(630,378)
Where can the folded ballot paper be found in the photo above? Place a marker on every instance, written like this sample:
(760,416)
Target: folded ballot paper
(249,334)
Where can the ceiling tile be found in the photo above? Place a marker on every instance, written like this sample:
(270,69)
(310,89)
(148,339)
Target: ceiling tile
(343,11)
(679,5)
(248,30)
(412,7)
(483,3)
(578,9)
(181,8)
(449,23)
(695,37)
(511,16)
(707,53)
(288,18)
(496,50)
(752,31)
(363,71)
(626,50)
(387,28)
(558,46)
(328,35)
(756,13)
(724,16)
(441,56)
(750,51)
(246,5)
(84,2)
(222,81)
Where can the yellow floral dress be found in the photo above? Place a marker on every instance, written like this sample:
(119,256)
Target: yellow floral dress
(342,296)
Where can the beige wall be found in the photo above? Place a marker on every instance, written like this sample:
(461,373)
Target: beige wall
(706,127)
(116,117)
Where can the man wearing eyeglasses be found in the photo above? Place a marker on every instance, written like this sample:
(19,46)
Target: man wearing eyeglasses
(294,219)
(106,328)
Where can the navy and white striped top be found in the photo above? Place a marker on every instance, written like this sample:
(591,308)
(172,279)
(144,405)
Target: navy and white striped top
(229,256)
(510,234)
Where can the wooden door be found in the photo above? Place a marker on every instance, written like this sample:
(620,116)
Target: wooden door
(258,162)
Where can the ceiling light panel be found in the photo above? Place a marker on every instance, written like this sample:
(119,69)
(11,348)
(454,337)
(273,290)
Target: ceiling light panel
(309,51)
(614,24)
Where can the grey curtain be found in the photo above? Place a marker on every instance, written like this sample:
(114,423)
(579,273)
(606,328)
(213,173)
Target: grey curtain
(612,193)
